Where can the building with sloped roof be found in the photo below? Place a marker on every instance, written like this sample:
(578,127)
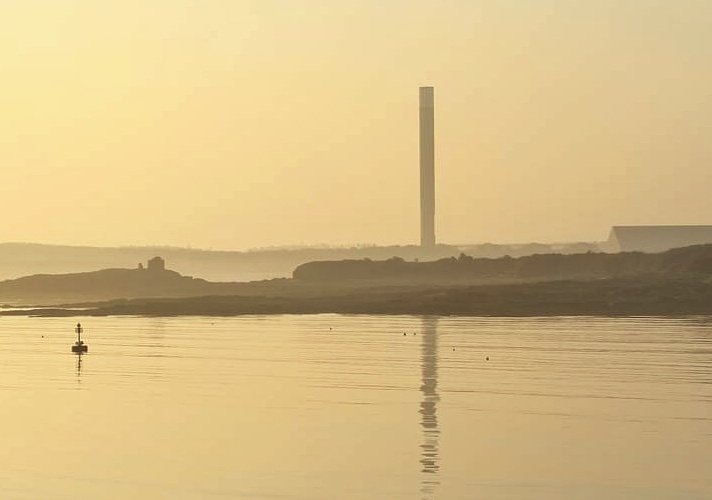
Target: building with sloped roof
(653,239)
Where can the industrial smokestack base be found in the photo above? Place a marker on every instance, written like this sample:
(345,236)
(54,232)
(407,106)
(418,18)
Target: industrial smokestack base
(427,167)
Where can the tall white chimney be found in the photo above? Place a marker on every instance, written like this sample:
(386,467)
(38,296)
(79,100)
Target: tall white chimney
(427,167)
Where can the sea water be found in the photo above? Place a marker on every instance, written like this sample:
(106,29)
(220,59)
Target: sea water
(356,407)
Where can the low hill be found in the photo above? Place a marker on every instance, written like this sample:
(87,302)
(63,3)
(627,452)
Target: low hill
(22,259)
(544,267)
(104,284)
(109,284)
(318,286)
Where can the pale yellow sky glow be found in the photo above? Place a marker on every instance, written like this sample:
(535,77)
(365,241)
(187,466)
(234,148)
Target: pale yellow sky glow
(235,124)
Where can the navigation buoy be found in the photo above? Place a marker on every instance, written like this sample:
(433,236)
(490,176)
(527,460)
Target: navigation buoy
(79,346)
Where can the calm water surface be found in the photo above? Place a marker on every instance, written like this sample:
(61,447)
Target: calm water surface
(348,407)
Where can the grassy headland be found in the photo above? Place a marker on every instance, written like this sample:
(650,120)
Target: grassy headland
(677,282)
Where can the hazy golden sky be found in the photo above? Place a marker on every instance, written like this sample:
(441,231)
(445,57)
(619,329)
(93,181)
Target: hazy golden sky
(234,124)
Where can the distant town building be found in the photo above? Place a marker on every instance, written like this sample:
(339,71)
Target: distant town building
(656,238)
(157,264)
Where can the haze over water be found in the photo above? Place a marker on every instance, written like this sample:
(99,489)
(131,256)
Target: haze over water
(348,407)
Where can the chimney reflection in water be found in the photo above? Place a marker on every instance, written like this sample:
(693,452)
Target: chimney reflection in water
(428,408)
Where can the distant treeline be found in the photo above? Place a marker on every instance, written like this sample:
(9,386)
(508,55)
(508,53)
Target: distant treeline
(675,282)
(23,259)
(689,260)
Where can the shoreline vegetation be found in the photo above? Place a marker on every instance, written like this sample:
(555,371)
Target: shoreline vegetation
(615,297)
(673,283)
(22,259)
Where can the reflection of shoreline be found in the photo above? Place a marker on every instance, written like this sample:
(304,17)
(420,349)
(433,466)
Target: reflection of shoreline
(428,408)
